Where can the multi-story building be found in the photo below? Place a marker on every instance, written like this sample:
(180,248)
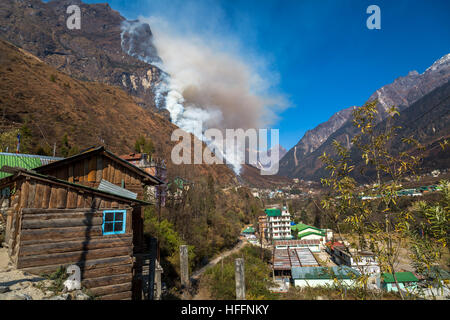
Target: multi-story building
(262,227)
(278,224)
(365,261)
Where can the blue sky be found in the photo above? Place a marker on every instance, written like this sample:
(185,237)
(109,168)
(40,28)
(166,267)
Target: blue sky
(325,57)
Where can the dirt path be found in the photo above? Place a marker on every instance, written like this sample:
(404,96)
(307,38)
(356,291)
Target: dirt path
(202,293)
(196,275)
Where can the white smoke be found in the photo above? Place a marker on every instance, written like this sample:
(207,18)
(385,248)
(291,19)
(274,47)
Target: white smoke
(205,80)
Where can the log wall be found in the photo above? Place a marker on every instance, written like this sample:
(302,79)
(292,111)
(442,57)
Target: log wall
(91,170)
(53,225)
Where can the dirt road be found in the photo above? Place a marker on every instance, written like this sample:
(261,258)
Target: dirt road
(202,292)
(196,275)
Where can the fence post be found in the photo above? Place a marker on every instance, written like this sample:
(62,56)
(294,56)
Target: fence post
(240,279)
(184,267)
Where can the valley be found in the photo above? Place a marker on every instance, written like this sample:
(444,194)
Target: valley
(88,178)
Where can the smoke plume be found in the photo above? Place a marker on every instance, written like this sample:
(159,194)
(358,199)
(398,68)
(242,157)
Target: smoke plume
(207,79)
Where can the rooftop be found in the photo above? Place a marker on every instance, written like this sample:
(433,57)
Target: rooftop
(273,212)
(25,161)
(16,172)
(339,272)
(334,244)
(305,234)
(401,277)
(300,227)
(285,259)
(249,230)
(296,242)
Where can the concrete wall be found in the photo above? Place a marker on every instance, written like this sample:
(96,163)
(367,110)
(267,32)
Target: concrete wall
(320,282)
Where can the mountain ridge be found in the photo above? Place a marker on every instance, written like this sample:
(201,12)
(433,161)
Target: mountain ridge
(402,93)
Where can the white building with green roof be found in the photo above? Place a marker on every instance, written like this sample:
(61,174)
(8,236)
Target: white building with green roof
(279,223)
(306,232)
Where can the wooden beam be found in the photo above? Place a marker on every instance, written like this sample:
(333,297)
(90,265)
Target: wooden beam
(61,223)
(61,198)
(85,264)
(61,233)
(117,296)
(46,196)
(76,245)
(113,289)
(99,168)
(71,257)
(39,195)
(107,280)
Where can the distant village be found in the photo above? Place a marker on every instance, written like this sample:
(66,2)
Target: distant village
(307,256)
(87,210)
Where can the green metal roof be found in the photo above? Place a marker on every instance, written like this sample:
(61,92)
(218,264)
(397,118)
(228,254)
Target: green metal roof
(273,212)
(249,230)
(304,234)
(25,161)
(401,277)
(300,227)
(324,273)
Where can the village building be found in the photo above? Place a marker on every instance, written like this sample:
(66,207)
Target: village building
(306,232)
(284,259)
(263,228)
(324,276)
(313,245)
(407,281)
(249,233)
(178,186)
(155,167)
(362,260)
(278,222)
(85,210)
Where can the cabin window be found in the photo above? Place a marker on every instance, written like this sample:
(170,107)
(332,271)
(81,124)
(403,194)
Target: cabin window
(5,192)
(114,221)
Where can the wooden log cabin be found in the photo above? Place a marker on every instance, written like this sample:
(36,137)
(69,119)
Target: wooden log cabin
(59,215)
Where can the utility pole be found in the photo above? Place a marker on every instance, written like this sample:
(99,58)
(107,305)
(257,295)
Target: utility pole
(240,279)
(152,269)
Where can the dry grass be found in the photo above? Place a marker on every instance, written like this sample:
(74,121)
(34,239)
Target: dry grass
(52,103)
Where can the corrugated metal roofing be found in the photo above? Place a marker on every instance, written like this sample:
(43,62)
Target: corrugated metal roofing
(273,212)
(249,230)
(313,273)
(306,258)
(281,260)
(300,227)
(401,277)
(25,161)
(296,242)
(112,188)
(286,259)
(304,234)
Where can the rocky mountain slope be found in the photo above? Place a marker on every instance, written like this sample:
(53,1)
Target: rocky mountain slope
(303,160)
(52,104)
(312,140)
(107,49)
(93,53)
